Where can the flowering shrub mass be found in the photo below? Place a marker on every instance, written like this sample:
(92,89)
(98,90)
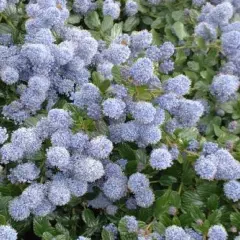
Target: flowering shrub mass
(120,119)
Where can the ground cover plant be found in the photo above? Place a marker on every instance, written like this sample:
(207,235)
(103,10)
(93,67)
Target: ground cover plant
(119,119)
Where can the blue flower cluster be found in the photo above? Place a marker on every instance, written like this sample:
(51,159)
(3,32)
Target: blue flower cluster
(216,21)
(140,186)
(45,68)
(217,163)
(76,162)
(124,85)
(186,113)
(217,232)
(71,163)
(5,4)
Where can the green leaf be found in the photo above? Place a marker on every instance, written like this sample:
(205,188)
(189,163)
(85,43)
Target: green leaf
(92,20)
(47,236)
(227,107)
(104,86)
(97,78)
(147,20)
(156,37)
(130,23)
(106,235)
(167,180)
(202,228)
(102,127)
(3,220)
(228,137)
(217,120)
(116,72)
(179,30)
(74,19)
(188,173)
(202,86)
(95,34)
(175,199)
(142,225)
(165,219)
(107,23)
(142,93)
(162,203)
(189,199)
(194,15)
(72,108)
(4,205)
(207,189)
(193,66)
(61,237)
(116,30)
(176,221)
(180,57)
(89,218)
(10,190)
(141,7)
(157,24)
(5,28)
(212,57)
(188,134)
(159,227)
(41,225)
(196,213)
(201,43)
(128,236)
(126,151)
(177,15)
(144,214)
(61,229)
(218,131)
(215,217)
(185,219)
(32,121)
(22,226)
(11,13)
(131,167)
(235,219)
(192,75)
(91,230)
(213,202)
(141,156)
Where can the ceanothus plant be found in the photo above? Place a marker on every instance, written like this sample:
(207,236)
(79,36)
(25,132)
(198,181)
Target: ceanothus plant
(119,119)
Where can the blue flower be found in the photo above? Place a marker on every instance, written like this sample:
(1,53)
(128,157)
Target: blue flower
(143,112)
(111,8)
(131,223)
(217,232)
(142,71)
(224,87)
(176,233)
(113,108)
(7,233)
(100,147)
(58,193)
(131,8)
(179,85)
(138,182)
(232,190)
(88,169)
(18,209)
(145,198)
(160,159)
(58,157)
(115,188)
